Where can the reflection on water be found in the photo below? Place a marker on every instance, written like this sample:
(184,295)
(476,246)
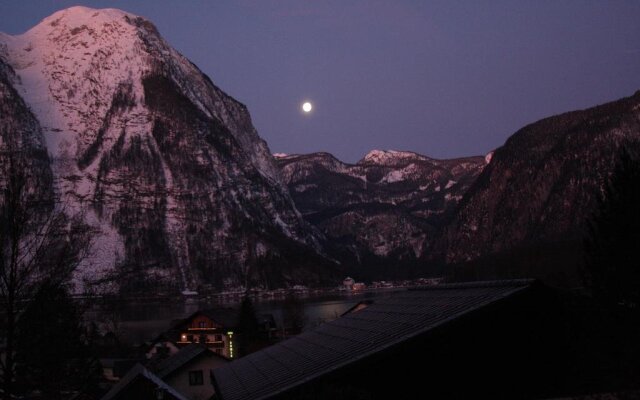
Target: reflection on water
(139,322)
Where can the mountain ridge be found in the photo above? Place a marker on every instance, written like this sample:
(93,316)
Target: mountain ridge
(543,184)
(389,205)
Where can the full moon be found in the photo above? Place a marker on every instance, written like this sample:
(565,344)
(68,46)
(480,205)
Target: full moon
(306,107)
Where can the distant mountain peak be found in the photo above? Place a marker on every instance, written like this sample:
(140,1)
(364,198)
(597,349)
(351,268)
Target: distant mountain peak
(386,157)
(79,18)
(83,12)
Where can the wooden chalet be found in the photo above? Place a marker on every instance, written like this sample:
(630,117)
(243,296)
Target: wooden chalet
(213,328)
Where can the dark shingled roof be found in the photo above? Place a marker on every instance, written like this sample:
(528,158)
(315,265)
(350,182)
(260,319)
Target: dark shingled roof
(140,372)
(386,322)
(227,317)
(181,358)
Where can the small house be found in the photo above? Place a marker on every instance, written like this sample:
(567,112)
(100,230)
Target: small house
(190,371)
(213,328)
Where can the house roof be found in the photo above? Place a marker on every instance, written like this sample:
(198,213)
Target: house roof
(185,355)
(385,323)
(139,371)
(358,306)
(227,317)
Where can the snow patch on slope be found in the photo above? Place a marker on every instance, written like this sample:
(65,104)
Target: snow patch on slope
(488,157)
(390,157)
(400,175)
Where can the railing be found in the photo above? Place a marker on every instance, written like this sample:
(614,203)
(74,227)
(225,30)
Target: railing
(220,344)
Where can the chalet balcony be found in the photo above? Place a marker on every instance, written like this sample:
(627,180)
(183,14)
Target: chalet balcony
(209,343)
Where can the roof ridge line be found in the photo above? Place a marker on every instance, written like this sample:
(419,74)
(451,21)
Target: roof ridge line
(478,284)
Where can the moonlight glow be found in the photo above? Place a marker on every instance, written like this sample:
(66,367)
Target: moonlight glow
(306,107)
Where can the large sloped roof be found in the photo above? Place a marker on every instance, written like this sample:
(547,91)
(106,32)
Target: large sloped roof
(226,317)
(386,322)
(139,371)
(182,357)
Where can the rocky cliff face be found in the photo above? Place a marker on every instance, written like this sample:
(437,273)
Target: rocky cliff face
(543,184)
(390,204)
(164,165)
(22,144)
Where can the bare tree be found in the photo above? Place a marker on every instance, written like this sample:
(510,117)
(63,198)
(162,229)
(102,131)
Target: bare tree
(38,243)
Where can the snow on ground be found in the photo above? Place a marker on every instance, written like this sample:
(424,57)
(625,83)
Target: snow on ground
(488,157)
(283,226)
(303,187)
(399,175)
(390,156)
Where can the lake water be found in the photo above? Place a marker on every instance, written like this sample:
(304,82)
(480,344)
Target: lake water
(140,322)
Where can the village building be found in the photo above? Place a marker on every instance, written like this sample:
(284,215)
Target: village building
(161,347)
(190,371)
(213,328)
(186,375)
(348,283)
(140,383)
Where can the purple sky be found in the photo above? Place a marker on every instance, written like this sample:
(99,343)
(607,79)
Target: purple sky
(441,78)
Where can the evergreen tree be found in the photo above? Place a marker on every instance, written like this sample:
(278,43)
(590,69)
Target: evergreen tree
(293,314)
(248,328)
(613,243)
(52,353)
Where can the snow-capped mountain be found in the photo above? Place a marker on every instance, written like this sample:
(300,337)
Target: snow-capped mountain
(166,167)
(390,204)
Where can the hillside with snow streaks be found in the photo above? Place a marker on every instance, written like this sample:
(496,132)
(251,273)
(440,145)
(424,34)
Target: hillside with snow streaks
(390,204)
(166,166)
(543,184)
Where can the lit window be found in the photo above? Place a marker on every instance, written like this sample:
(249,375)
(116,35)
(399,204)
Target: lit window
(202,324)
(196,378)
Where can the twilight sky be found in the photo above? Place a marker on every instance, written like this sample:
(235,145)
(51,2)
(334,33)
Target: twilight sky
(441,78)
